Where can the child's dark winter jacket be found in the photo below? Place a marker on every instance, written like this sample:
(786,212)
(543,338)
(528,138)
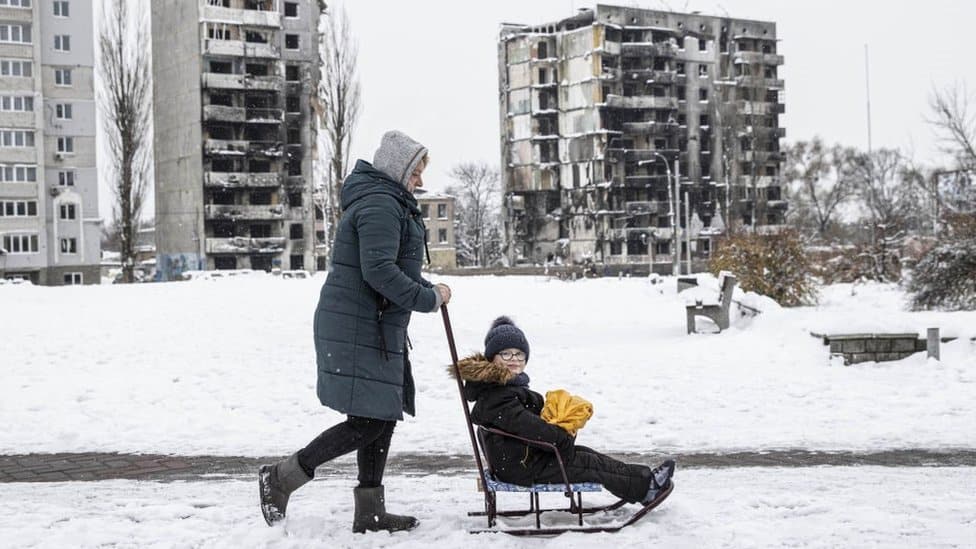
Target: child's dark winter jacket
(503,404)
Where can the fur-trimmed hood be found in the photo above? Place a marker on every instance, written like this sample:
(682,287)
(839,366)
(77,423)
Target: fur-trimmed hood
(477,368)
(480,375)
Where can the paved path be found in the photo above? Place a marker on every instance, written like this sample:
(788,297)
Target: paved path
(102,466)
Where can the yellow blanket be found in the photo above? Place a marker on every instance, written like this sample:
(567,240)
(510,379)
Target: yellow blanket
(567,411)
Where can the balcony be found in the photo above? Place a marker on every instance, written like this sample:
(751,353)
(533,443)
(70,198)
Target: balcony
(239,48)
(756,57)
(650,76)
(762,181)
(636,233)
(271,149)
(235,212)
(232,180)
(224,147)
(637,155)
(222,113)
(650,128)
(760,108)
(644,49)
(642,207)
(243,245)
(267,116)
(641,102)
(759,82)
(213,80)
(257,18)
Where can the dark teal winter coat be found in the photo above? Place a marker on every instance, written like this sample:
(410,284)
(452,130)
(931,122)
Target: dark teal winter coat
(365,304)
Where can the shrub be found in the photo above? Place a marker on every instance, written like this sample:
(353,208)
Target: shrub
(945,278)
(773,265)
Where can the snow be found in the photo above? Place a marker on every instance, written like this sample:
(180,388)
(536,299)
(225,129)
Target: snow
(755,507)
(227,367)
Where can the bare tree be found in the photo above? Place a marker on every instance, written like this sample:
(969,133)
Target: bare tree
(479,208)
(887,187)
(125,101)
(337,106)
(951,190)
(954,124)
(820,179)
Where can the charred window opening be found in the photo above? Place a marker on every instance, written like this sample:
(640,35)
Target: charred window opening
(291,42)
(222,165)
(293,103)
(296,231)
(679,67)
(295,200)
(542,50)
(223,229)
(261,230)
(223,99)
(220,132)
(702,44)
(294,166)
(260,198)
(261,263)
(259,166)
(297,262)
(256,69)
(292,73)
(291,9)
(222,67)
(225,262)
(702,94)
(255,37)
(222,197)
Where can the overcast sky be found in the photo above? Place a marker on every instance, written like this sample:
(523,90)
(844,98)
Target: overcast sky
(430,68)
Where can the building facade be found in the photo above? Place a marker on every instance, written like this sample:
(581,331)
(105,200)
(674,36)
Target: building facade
(49,224)
(234,133)
(614,119)
(438,213)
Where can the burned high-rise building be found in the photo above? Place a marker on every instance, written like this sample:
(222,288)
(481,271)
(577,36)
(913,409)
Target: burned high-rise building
(614,118)
(232,83)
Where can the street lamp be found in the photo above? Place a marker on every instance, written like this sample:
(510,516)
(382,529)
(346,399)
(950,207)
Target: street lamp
(675,267)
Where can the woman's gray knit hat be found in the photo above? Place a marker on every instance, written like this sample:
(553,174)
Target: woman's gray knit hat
(504,334)
(398,156)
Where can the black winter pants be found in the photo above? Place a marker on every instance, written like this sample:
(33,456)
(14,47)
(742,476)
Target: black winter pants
(627,481)
(370,437)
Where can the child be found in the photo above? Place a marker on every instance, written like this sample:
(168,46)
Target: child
(498,385)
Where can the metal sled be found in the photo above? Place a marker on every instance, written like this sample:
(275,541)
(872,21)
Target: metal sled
(490,486)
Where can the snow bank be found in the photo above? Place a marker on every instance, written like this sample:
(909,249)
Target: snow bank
(227,367)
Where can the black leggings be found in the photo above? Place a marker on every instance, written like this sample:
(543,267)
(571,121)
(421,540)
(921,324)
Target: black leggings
(371,437)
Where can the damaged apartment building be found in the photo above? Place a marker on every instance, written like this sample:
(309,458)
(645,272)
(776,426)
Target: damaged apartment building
(232,83)
(613,117)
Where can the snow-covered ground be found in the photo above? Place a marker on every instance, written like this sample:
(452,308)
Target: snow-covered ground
(755,507)
(227,367)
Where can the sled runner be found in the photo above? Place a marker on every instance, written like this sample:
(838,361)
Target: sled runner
(490,486)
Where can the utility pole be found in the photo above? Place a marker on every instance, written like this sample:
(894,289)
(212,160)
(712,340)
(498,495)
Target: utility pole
(688,233)
(675,223)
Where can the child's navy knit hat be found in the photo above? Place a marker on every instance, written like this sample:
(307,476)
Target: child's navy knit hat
(504,334)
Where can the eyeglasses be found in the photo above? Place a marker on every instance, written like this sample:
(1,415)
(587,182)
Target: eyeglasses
(512,355)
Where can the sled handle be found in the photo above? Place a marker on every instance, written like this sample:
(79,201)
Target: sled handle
(460,384)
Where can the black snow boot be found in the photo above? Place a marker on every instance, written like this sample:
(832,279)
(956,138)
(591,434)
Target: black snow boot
(371,513)
(276,483)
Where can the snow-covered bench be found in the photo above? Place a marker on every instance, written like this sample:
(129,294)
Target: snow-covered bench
(717,310)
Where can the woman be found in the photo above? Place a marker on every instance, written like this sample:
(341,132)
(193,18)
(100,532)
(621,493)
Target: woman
(498,385)
(360,326)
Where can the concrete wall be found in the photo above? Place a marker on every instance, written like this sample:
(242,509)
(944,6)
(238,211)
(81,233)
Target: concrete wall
(178,151)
